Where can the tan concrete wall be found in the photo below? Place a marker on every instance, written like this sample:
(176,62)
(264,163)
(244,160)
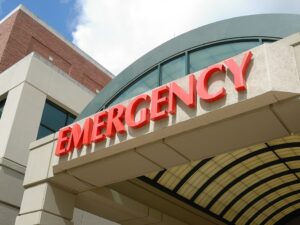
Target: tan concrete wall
(26,86)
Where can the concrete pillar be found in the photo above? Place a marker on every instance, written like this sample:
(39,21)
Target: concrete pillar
(46,204)
(18,127)
(20,121)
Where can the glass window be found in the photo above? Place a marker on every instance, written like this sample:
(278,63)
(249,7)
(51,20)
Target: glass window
(146,83)
(173,70)
(70,119)
(176,67)
(53,118)
(2,103)
(213,54)
(43,132)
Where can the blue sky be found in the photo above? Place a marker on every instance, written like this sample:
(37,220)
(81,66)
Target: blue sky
(59,14)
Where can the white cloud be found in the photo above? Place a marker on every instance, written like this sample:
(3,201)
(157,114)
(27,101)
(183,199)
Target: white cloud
(117,32)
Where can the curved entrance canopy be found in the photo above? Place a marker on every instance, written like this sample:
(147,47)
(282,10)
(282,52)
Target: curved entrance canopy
(255,185)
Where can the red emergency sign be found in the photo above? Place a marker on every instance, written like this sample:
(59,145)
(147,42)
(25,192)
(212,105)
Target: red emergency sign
(157,105)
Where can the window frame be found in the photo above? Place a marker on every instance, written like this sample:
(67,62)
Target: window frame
(2,105)
(66,113)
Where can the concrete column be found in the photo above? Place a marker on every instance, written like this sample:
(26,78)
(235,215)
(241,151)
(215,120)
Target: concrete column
(45,204)
(18,127)
(20,121)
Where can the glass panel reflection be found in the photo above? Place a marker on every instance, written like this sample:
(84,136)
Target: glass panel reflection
(213,54)
(176,67)
(70,119)
(173,70)
(43,132)
(53,118)
(146,83)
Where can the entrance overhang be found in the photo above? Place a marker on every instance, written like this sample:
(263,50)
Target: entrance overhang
(272,78)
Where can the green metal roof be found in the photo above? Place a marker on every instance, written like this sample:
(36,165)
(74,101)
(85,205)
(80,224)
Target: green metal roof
(255,26)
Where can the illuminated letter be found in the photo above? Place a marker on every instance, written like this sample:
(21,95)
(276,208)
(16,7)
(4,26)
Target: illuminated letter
(157,102)
(131,110)
(239,72)
(115,121)
(99,125)
(187,98)
(202,84)
(62,141)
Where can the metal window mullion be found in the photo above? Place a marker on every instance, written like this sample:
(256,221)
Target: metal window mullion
(282,160)
(186,69)
(45,126)
(66,120)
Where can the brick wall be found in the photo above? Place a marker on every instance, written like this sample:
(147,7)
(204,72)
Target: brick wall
(21,34)
(5,30)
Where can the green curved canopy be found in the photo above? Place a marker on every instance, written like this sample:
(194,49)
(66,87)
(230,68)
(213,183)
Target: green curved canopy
(232,35)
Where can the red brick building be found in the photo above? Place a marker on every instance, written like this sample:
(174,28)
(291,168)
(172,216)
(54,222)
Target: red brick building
(21,33)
